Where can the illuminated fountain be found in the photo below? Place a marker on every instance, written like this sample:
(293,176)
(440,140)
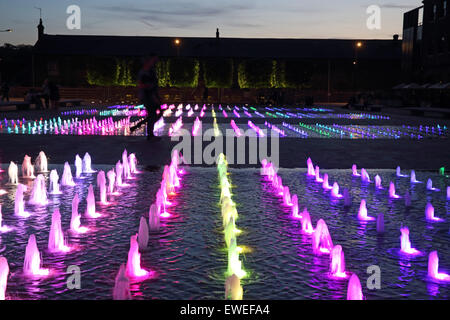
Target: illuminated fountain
(295,210)
(405,243)
(75,222)
(430,186)
(233,289)
(378,182)
(306,222)
(355,171)
(380,223)
(429,213)
(143,234)
(335,191)
(392,191)
(41,162)
(413,177)
(133,163)
(4,272)
(39,192)
(287,196)
(364,175)
(67,179)
(134,269)
(311,171)
(54,185)
(19,203)
(87,164)
(325,183)
(197,126)
(433,268)
(407,199)
(321,239)
(111,181)
(90,200)
(78,166)
(362,213)
(354,291)
(126,165)
(122,285)
(153,218)
(317,174)
(27,168)
(32,263)
(337,264)
(13,173)
(234,264)
(119,174)
(56,241)
(347,198)
(448,193)
(101,183)
(399,173)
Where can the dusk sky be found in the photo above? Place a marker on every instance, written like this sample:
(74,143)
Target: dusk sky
(196,18)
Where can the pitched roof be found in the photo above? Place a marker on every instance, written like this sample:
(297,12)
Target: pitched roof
(212,47)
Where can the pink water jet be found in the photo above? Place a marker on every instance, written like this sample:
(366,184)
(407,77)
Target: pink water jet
(153,218)
(32,262)
(196,127)
(101,183)
(133,163)
(430,186)
(4,272)
(56,241)
(119,173)
(287,197)
(143,234)
(295,213)
(362,213)
(392,191)
(433,268)
(355,171)
(337,264)
(354,291)
(67,179)
(405,243)
(448,193)
(126,165)
(90,200)
(19,203)
(429,213)
(378,182)
(317,174)
(311,171)
(39,192)
(364,175)
(54,185)
(111,181)
(75,222)
(27,168)
(122,285)
(306,222)
(325,183)
(134,269)
(335,191)
(321,239)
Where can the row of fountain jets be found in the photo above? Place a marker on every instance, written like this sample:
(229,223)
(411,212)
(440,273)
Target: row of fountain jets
(320,236)
(57,243)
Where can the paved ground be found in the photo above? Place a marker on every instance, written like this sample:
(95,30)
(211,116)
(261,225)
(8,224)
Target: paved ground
(328,153)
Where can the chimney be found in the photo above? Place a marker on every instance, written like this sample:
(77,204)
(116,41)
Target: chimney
(40,29)
(217,33)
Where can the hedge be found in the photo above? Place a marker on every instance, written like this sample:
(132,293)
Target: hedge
(297,73)
(218,73)
(255,73)
(183,72)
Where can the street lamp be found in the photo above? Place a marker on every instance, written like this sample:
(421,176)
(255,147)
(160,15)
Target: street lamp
(358,45)
(177,43)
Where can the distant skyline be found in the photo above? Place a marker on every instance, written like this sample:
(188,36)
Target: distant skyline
(199,18)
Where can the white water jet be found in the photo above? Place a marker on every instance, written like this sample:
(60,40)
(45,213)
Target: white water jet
(54,185)
(78,166)
(399,173)
(153,218)
(87,164)
(41,162)
(126,166)
(19,203)
(365,175)
(143,234)
(362,213)
(392,193)
(90,200)
(13,173)
(111,181)
(101,183)
(119,173)
(4,272)
(413,177)
(27,168)
(233,288)
(75,221)
(335,191)
(325,183)
(378,182)
(32,263)
(39,192)
(430,186)
(67,179)
(133,163)
(56,242)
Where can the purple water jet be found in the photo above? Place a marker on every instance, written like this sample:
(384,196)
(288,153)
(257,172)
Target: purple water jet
(4,272)
(153,218)
(337,264)
(378,182)
(325,183)
(90,200)
(306,222)
(362,213)
(67,179)
(39,192)
(355,171)
(56,242)
(430,186)
(429,213)
(32,262)
(433,268)
(54,185)
(75,222)
(122,285)
(405,243)
(413,177)
(392,191)
(19,203)
(101,183)
(364,175)
(321,239)
(335,191)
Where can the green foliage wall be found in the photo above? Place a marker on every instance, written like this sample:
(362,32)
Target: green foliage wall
(297,73)
(255,73)
(162,73)
(218,73)
(183,72)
